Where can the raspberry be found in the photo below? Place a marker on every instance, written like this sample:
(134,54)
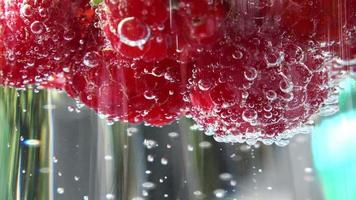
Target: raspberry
(120,88)
(136,28)
(257,87)
(318,20)
(202,19)
(38,38)
(157,29)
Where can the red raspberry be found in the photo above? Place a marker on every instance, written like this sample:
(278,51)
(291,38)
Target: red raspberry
(123,89)
(153,30)
(257,87)
(202,20)
(318,20)
(136,27)
(38,38)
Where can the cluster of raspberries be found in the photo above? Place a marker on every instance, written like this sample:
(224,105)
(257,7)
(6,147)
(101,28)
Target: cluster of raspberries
(243,70)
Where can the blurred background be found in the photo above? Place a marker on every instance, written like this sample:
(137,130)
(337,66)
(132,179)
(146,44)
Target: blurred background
(53,148)
(96,160)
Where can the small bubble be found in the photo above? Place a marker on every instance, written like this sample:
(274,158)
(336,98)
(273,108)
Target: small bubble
(204,84)
(108,157)
(173,134)
(308,170)
(219,193)
(91,59)
(250,74)
(60,190)
(36,27)
(164,161)
(148,185)
(149,95)
(271,95)
(32,143)
(109,196)
(133,24)
(237,55)
(225,176)
(197,193)
(26,10)
(76,178)
(150,144)
(150,158)
(204,144)
(249,115)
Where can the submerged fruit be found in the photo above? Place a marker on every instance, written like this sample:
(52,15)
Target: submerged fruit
(153,30)
(123,89)
(39,38)
(257,87)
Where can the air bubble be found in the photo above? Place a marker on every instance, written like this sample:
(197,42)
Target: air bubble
(250,74)
(285,86)
(26,10)
(36,27)
(150,144)
(271,95)
(109,196)
(220,193)
(249,115)
(91,59)
(204,85)
(225,176)
(132,26)
(148,185)
(60,190)
(237,55)
(149,95)
(164,161)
